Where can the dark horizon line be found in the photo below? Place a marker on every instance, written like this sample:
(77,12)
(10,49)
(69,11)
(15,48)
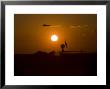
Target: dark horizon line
(59,52)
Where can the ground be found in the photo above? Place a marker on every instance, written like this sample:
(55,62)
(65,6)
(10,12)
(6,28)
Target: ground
(43,64)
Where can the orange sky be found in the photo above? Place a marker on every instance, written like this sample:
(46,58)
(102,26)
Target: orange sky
(79,30)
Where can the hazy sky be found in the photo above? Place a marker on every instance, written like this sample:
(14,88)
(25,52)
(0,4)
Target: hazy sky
(79,30)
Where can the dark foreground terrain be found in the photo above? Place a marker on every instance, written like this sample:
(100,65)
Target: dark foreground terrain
(42,64)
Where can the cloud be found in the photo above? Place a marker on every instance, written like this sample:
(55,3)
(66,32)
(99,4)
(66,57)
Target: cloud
(78,26)
(55,26)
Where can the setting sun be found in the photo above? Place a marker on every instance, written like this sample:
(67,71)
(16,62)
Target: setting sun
(54,37)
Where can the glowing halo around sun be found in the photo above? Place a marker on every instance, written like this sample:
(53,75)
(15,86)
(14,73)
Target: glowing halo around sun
(54,38)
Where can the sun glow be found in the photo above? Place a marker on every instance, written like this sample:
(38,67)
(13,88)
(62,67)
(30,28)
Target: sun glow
(54,37)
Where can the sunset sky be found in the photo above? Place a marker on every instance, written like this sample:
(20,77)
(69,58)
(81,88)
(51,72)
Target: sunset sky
(30,36)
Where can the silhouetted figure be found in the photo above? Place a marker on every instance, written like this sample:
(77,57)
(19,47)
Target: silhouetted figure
(62,47)
(66,44)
